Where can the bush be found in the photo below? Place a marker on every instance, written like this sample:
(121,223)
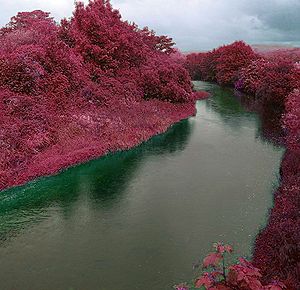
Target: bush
(232,58)
(219,276)
(222,64)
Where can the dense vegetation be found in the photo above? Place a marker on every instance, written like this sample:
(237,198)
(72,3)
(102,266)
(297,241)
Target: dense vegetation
(78,89)
(272,80)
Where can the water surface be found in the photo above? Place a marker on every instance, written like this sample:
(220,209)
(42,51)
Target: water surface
(139,219)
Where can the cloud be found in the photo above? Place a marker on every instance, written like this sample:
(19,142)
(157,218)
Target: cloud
(58,8)
(193,24)
(203,24)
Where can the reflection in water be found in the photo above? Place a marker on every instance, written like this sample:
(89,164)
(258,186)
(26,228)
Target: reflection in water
(105,178)
(139,219)
(243,108)
(270,117)
(230,109)
(271,128)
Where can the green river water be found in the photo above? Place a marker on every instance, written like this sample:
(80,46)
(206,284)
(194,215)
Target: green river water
(139,219)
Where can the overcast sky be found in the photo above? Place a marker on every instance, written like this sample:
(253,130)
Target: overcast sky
(193,24)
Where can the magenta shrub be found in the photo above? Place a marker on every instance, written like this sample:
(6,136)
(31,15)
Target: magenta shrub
(222,64)
(76,90)
(250,77)
(231,58)
(291,120)
(194,63)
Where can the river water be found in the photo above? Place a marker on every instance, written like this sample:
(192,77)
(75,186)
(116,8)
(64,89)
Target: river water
(139,219)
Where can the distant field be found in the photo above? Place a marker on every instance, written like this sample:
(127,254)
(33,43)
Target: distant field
(267,47)
(271,51)
(261,48)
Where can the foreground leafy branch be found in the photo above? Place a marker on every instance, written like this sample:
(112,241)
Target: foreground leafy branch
(217,275)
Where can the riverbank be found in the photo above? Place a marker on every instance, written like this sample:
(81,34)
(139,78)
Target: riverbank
(91,134)
(277,245)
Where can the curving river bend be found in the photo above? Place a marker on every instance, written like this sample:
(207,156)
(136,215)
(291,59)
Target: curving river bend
(139,219)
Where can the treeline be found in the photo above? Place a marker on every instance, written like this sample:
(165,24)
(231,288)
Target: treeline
(81,88)
(270,77)
(272,80)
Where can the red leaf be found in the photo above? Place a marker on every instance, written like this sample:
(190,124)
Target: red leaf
(181,287)
(228,248)
(216,274)
(273,287)
(221,248)
(276,285)
(212,259)
(220,287)
(205,281)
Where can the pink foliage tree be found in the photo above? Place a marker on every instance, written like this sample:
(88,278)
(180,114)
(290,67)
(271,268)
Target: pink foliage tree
(231,58)
(84,85)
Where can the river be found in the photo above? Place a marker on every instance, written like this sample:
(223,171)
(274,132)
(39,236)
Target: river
(139,219)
